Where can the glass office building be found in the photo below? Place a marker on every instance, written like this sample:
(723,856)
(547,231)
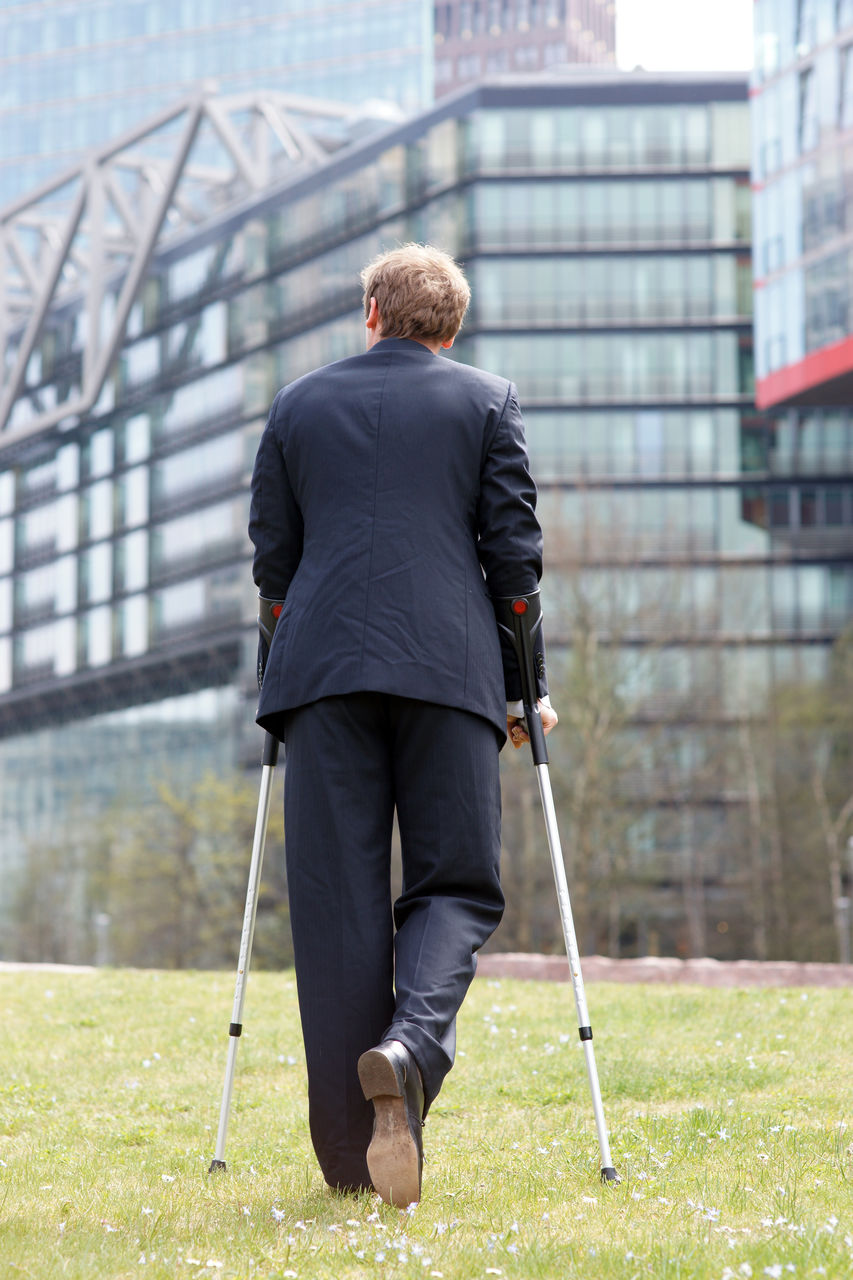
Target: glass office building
(802,165)
(604,221)
(491,37)
(74,73)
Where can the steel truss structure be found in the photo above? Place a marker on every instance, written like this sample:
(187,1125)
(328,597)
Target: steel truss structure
(89,235)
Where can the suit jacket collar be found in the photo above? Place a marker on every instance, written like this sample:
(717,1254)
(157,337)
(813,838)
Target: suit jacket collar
(401,344)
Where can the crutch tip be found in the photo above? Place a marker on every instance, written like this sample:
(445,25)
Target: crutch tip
(609,1174)
(215,1165)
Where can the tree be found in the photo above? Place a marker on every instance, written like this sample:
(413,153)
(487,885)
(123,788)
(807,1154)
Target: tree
(814,775)
(168,871)
(175,882)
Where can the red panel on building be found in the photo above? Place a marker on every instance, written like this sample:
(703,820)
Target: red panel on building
(823,377)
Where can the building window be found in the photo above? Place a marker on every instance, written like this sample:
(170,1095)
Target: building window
(773,255)
(843,14)
(443,20)
(806,26)
(468,66)
(834,508)
(527,57)
(555,53)
(807,119)
(845,104)
(808,508)
(780,512)
(497,61)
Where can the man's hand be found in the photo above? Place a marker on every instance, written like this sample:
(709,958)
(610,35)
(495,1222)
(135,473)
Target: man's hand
(516,731)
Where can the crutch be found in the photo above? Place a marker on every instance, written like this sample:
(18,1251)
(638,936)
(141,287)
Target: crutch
(520,619)
(269,612)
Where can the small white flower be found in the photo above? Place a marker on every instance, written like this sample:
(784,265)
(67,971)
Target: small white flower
(775,1271)
(278,1214)
(148,1212)
(167,1177)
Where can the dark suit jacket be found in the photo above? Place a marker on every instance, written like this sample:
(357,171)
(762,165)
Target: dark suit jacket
(385,487)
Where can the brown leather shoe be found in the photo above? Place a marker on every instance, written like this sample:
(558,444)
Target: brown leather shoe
(390,1078)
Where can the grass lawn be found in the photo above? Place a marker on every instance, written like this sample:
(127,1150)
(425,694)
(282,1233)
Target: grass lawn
(729,1114)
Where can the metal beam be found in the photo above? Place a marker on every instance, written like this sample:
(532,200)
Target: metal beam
(97,226)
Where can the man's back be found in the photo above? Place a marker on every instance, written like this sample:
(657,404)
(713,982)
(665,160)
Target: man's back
(407,478)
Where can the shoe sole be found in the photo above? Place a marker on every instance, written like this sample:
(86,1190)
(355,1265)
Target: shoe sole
(392,1157)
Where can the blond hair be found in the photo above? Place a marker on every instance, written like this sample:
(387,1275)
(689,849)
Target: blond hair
(420,292)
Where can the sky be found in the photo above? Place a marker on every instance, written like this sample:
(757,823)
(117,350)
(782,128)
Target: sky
(684,35)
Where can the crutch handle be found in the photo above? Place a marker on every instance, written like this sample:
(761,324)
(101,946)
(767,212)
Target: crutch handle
(519,618)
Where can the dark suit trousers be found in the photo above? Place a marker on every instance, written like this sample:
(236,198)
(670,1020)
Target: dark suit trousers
(352,760)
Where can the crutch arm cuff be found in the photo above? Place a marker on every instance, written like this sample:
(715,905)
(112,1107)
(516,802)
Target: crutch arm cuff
(269,612)
(519,622)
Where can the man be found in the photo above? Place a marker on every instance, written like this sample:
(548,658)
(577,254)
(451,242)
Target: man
(390,498)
